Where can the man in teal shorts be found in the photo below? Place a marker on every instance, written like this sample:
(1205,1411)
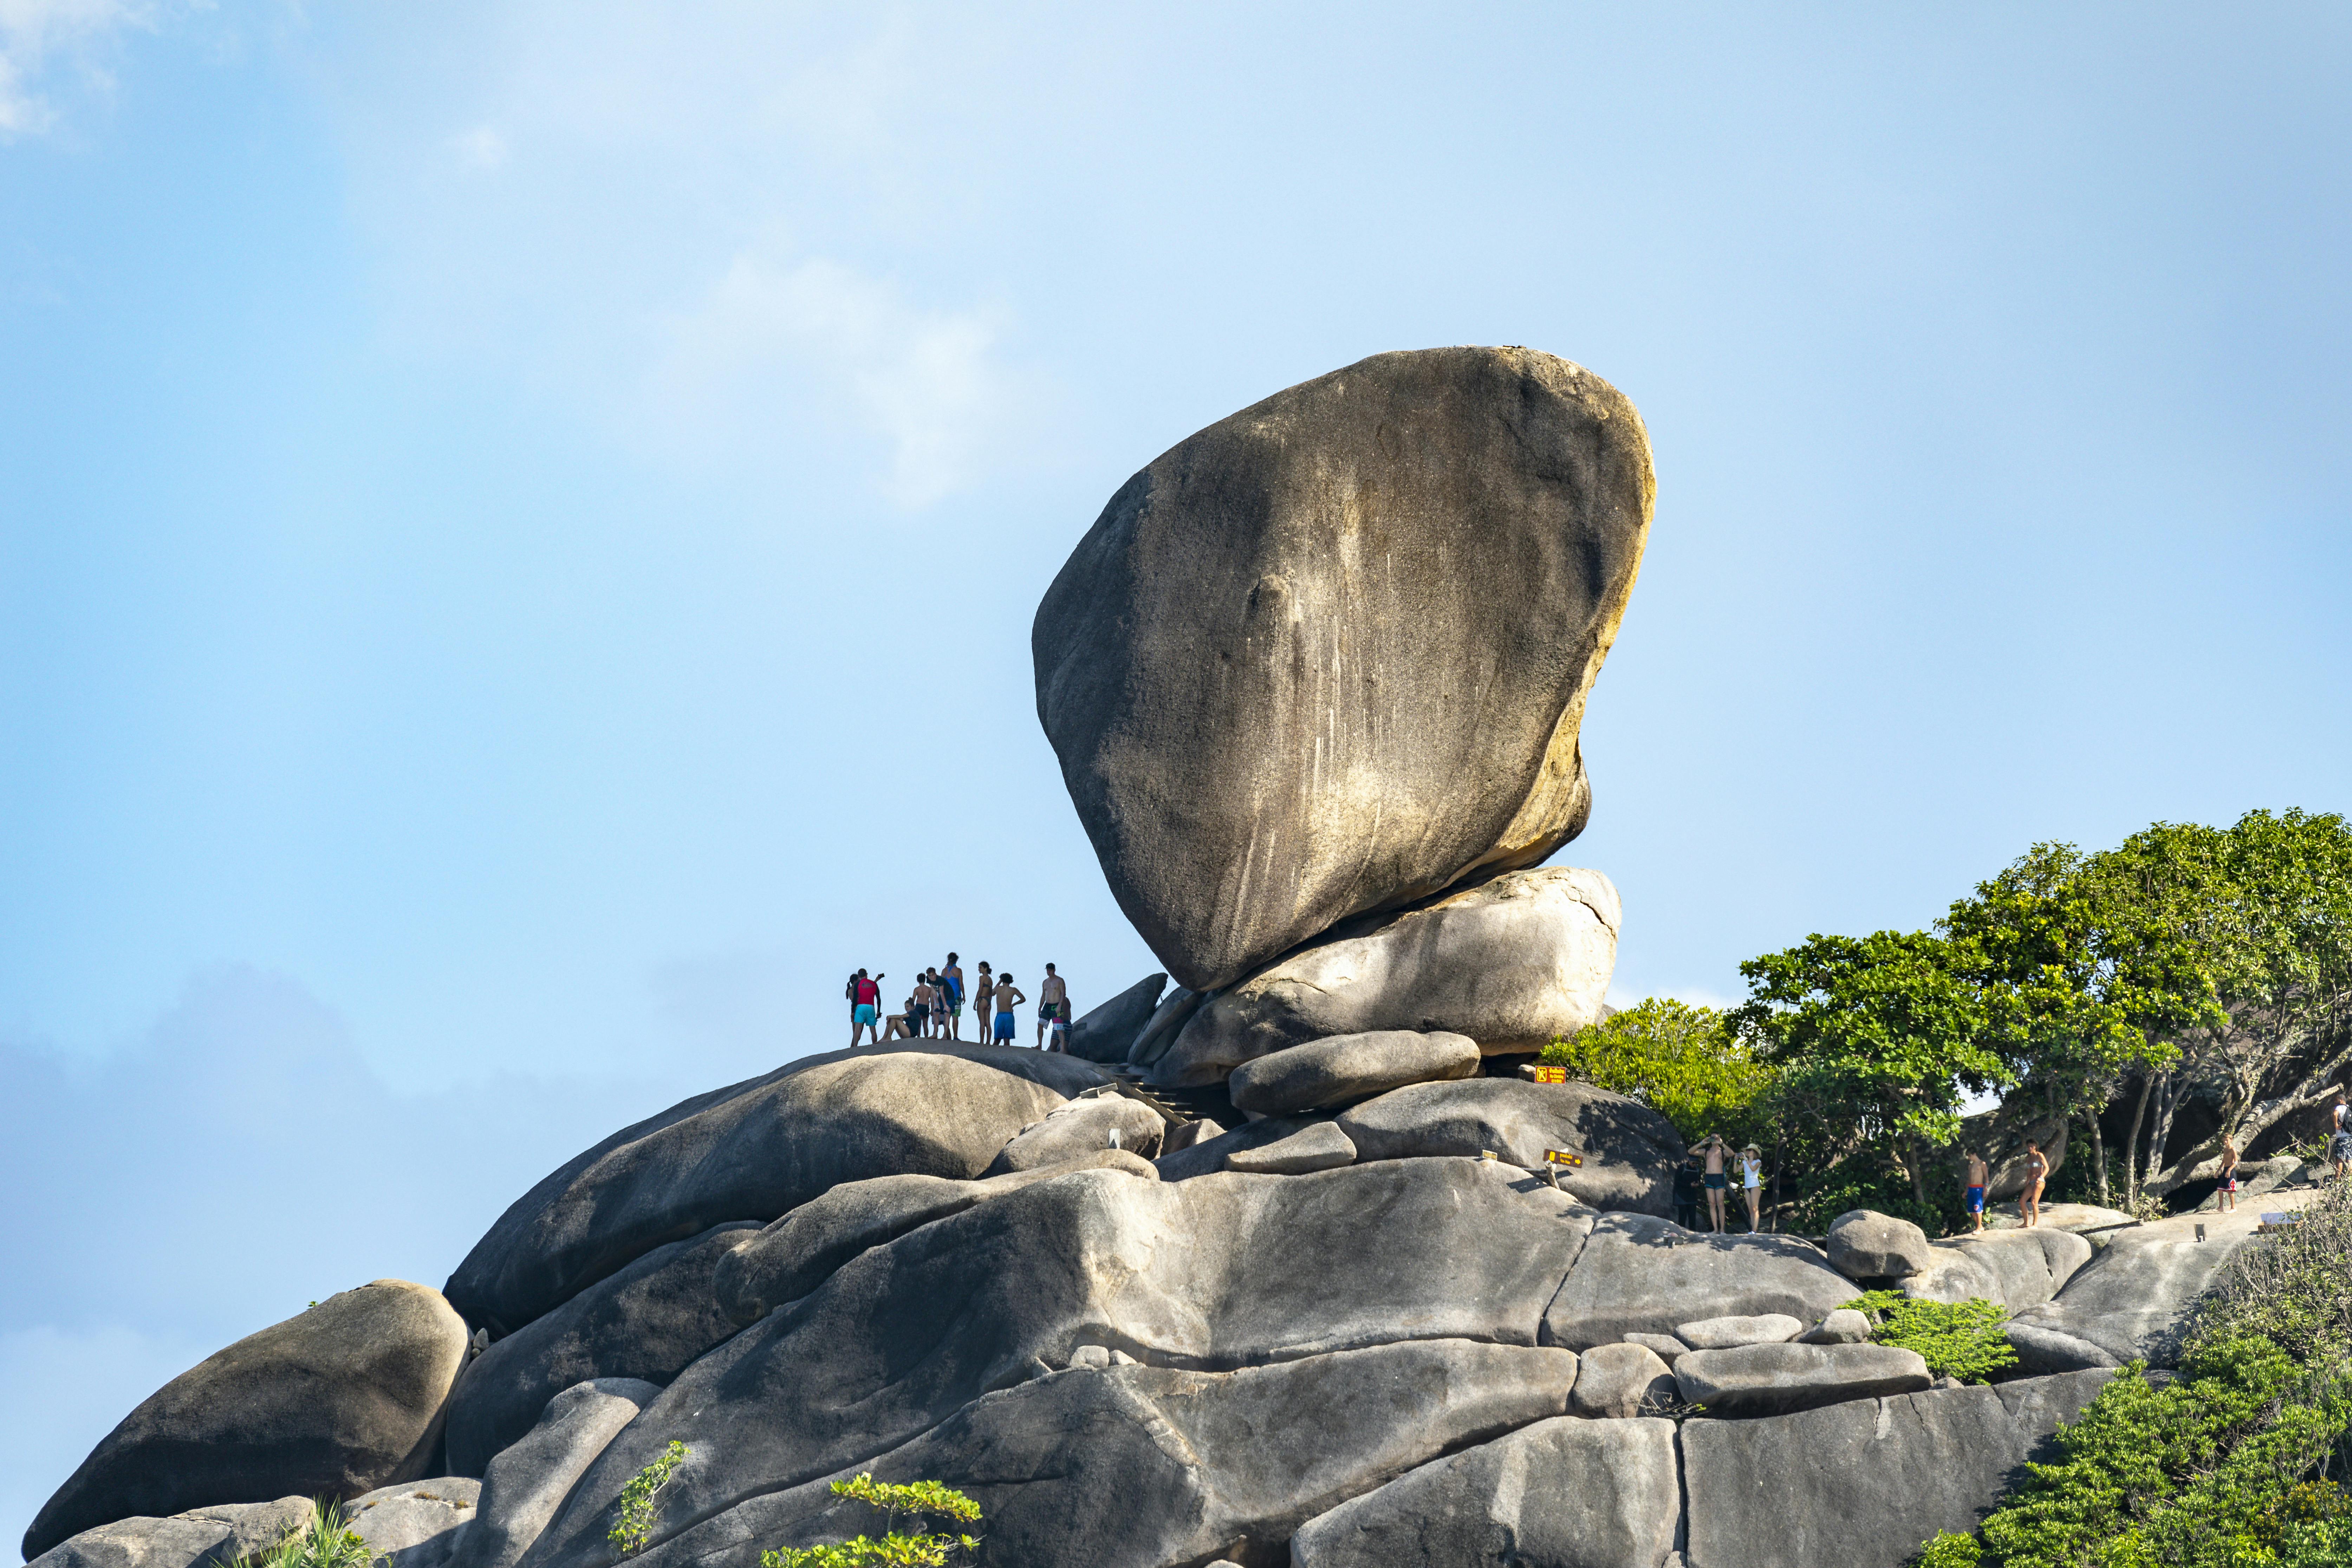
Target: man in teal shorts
(865,1007)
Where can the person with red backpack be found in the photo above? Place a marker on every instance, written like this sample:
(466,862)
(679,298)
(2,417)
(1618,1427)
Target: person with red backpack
(865,1006)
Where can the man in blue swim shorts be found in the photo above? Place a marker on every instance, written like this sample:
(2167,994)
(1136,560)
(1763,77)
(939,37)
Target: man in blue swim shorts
(1007,998)
(1977,1178)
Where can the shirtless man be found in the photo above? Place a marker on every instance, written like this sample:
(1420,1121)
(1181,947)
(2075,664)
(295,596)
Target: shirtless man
(1052,997)
(953,975)
(2228,1190)
(2037,1172)
(1718,1181)
(1978,1179)
(919,1009)
(1007,998)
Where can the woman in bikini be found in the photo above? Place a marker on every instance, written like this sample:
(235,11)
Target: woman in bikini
(2037,1171)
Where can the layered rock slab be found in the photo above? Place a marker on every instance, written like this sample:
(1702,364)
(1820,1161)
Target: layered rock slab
(1331,654)
(1081,1127)
(1640,1275)
(1563,1493)
(337,1401)
(1775,1379)
(1629,1150)
(1139,1467)
(527,1481)
(1862,1485)
(1105,1033)
(1345,1068)
(2133,1299)
(1211,1274)
(1512,962)
(753,1151)
(648,1321)
(415,1524)
(182,1539)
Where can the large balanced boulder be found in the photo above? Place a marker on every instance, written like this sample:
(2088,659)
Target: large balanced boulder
(1641,1274)
(528,1480)
(649,1323)
(1629,1150)
(1561,1493)
(1214,1273)
(1142,1467)
(1862,1485)
(1105,1033)
(1513,964)
(1331,654)
(337,1401)
(1345,1068)
(752,1152)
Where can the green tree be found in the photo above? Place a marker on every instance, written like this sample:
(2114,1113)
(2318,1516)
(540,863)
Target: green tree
(1874,1039)
(1682,1062)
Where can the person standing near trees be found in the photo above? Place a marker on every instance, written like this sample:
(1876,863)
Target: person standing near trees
(2037,1172)
(2227,1192)
(1718,1181)
(1752,1186)
(1690,1184)
(1979,1178)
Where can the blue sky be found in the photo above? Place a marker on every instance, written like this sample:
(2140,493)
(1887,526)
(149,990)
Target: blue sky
(519,522)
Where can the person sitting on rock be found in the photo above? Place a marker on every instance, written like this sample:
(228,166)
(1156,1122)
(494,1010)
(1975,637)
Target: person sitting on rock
(1718,1179)
(1007,998)
(901,1024)
(1690,1191)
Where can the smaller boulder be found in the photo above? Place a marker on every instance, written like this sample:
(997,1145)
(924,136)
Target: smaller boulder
(1866,1245)
(1083,1127)
(1094,1356)
(1775,1380)
(1844,1327)
(1186,1134)
(527,1481)
(1343,1069)
(1208,1156)
(202,1535)
(1614,1382)
(1108,1033)
(1629,1150)
(1953,1276)
(1167,1021)
(1665,1347)
(2041,1350)
(1320,1146)
(418,1524)
(1725,1334)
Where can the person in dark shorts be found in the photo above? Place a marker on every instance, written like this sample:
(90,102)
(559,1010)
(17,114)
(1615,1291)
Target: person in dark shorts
(1690,1189)
(2339,1152)
(2226,1194)
(1718,1179)
(1978,1178)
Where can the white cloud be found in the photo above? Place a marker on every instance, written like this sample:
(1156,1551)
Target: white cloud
(38,36)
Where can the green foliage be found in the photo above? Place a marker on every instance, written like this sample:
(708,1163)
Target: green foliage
(635,1525)
(893,1549)
(1682,1061)
(323,1539)
(1949,1551)
(1960,1339)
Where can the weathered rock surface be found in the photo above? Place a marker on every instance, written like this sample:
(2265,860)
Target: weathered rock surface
(1773,1380)
(1105,1033)
(2042,1348)
(1209,1156)
(1621,1380)
(1729,1333)
(416,1524)
(528,1480)
(1630,1150)
(1511,963)
(1844,1327)
(2133,1299)
(181,1541)
(1866,1244)
(1331,654)
(1348,1067)
(1167,1021)
(1079,1129)
(1952,1276)
(798,1253)
(1640,1275)
(1665,1347)
(1560,1494)
(1319,1146)
(2027,1267)
(753,1151)
(1138,1467)
(2087,1220)
(1214,1273)
(1862,1485)
(337,1401)
(648,1321)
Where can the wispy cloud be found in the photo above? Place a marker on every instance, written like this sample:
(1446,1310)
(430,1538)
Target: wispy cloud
(40,37)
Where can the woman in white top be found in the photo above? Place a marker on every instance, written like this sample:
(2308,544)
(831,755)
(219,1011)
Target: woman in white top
(1751,1182)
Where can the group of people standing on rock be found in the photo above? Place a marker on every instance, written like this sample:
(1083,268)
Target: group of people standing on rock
(934,1009)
